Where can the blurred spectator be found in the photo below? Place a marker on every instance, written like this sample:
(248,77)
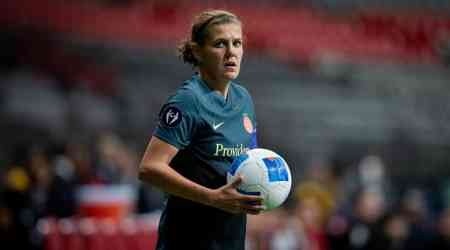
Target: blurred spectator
(361,230)
(116,162)
(395,233)
(6,226)
(442,241)
(306,227)
(16,215)
(322,172)
(117,165)
(262,228)
(51,195)
(372,173)
(33,191)
(415,211)
(81,156)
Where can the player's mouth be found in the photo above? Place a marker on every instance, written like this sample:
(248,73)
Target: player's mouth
(230,66)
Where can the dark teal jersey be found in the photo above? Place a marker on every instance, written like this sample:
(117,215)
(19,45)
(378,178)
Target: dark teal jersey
(209,131)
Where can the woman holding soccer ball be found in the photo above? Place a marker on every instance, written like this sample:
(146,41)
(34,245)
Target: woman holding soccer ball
(202,128)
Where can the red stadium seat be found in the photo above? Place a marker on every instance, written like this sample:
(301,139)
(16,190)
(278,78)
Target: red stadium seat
(411,36)
(98,234)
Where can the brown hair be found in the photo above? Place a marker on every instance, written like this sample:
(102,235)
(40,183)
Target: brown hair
(199,32)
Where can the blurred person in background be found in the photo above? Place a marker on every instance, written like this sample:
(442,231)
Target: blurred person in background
(262,228)
(115,160)
(51,195)
(16,216)
(322,171)
(33,191)
(361,229)
(395,232)
(306,229)
(81,158)
(208,123)
(415,210)
(7,235)
(116,165)
(442,240)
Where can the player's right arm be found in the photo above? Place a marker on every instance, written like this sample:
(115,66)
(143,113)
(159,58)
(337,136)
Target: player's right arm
(155,169)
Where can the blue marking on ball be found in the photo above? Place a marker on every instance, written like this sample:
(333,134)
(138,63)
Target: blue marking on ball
(237,162)
(276,169)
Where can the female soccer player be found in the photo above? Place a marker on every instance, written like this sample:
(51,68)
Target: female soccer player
(202,128)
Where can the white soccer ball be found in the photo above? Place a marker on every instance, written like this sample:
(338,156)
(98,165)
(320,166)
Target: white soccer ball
(264,172)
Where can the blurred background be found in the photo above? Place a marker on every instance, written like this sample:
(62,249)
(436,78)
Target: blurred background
(353,93)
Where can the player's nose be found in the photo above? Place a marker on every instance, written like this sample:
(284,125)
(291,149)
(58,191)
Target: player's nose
(231,50)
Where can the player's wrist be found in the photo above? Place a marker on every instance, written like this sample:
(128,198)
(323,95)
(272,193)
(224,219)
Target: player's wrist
(209,197)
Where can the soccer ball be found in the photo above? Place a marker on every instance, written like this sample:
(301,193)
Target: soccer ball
(264,172)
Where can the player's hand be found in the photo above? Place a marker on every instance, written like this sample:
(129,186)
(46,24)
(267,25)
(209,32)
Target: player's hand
(227,198)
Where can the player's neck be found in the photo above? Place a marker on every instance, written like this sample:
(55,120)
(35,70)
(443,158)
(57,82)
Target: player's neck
(221,87)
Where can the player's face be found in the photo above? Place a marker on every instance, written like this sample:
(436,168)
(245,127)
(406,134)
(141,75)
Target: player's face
(221,54)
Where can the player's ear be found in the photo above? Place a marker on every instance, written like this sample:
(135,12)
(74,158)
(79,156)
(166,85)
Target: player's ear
(196,52)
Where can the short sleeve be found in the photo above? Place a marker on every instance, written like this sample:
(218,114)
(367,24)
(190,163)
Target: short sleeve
(177,120)
(254,137)
(254,140)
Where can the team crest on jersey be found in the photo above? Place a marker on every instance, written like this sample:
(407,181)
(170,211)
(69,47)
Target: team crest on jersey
(171,116)
(248,125)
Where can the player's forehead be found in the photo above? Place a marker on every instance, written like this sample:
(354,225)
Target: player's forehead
(225,31)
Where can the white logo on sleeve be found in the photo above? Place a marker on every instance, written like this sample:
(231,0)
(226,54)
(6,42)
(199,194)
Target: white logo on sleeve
(216,126)
(171,117)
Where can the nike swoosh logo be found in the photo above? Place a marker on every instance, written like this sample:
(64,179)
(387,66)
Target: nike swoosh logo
(216,126)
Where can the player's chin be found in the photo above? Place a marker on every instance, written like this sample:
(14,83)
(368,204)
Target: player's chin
(231,75)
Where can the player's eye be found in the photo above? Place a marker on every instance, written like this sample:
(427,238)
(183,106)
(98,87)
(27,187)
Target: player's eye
(220,44)
(237,43)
